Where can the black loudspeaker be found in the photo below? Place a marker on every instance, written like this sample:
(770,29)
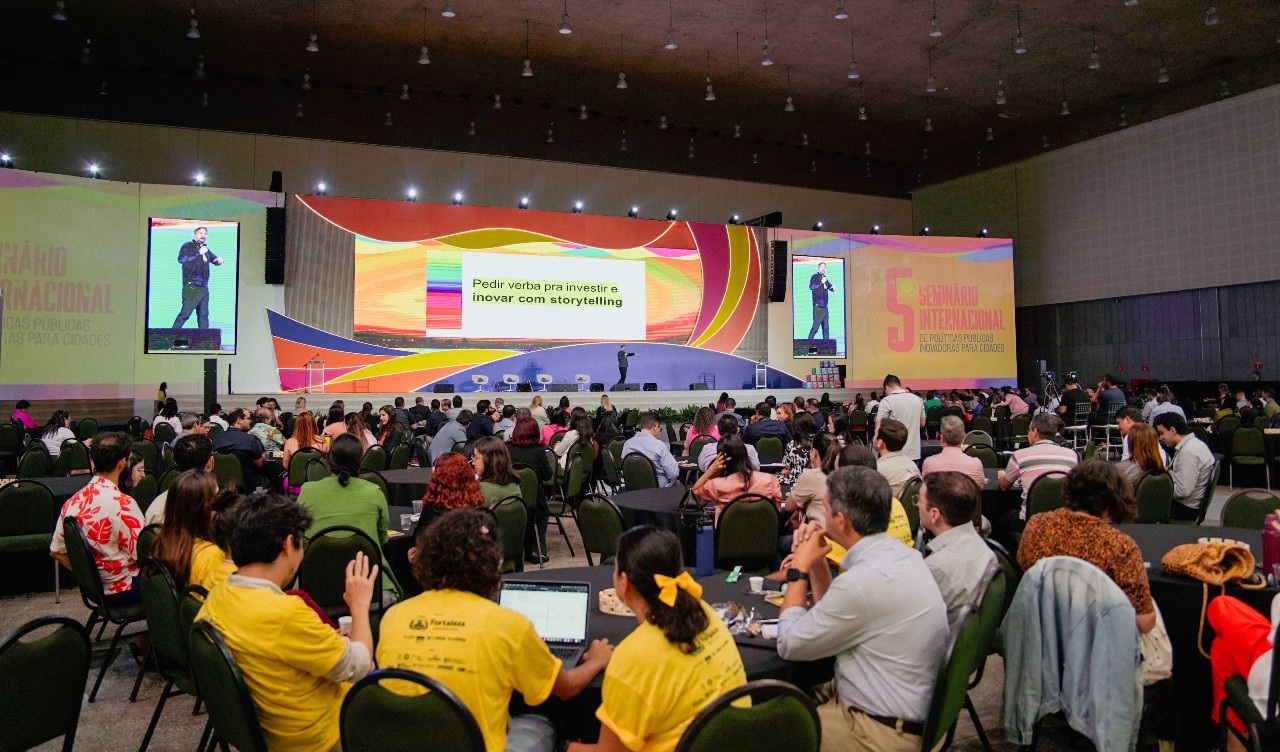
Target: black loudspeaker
(649,386)
(442,388)
(626,387)
(210,383)
(274,271)
(777,271)
(697,386)
(524,386)
(597,386)
(277,181)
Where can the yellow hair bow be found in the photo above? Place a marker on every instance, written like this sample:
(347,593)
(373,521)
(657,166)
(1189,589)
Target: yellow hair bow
(667,587)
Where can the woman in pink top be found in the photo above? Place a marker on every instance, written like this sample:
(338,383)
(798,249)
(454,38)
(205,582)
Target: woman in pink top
(559,422)
(704,424)
(20,414)
(730,475)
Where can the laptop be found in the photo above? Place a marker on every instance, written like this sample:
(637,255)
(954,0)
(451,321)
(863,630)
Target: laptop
(558,611)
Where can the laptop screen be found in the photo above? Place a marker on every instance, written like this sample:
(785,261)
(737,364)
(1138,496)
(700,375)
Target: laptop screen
(558,610)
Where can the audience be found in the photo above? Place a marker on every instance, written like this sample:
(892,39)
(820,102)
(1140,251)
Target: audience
(451,433)
(108,518)
(296,667)
(506,423)
(1011,399)
(838,426)
(559,423)
(704,424)
(478,649)
(894,465)
(1040,456)
(168,414)
(21,415)
(56,431)
(1192,466)
(762,425)
(537,411)
(453,485)
(191,452)
(796,458)
(903,406)
(679,658)
(730,409)
(730,475)
(481,422)
(647,444)
(1126,418)
(336,424)
(492,463)
(882,618)
(726,425)
(453,408)
(304,437)
(859,455)
(811,485)
(246,448)
(265,430)
(580,433)
(356,427)
(215,416)
(952,457)
(957,556)
(184,544)
(1146,457)
(390,430)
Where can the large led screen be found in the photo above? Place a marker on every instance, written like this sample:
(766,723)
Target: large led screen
(192,268)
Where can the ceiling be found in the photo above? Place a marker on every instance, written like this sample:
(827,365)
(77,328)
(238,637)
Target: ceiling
(254,60)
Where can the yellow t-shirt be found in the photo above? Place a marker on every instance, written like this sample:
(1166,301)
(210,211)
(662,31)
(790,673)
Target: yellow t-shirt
(899,527)
(284,651)
(208,567)
(477,648)
(652,690)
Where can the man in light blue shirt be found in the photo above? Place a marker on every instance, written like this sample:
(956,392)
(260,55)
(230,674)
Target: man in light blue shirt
(453,432)
(647,444)
(883,618)
(730,406)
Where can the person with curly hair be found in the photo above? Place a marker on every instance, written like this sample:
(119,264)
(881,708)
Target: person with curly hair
(453,485)
(455,633)
(680,646)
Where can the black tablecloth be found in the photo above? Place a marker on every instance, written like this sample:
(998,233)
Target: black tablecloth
(997,503)
(1180,600)
(660,507)
(65,488)
(404,486)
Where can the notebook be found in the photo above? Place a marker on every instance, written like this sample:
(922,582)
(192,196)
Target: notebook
(558,611)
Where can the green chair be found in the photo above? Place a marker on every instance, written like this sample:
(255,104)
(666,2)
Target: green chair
(163,432)
(696,444)
(600,524)
(145,491)
(42,680)
(86,428)
(951,684)
(12,445)
(28,515)
(777,711)
(770,449)
(137,427)
(1249,508)
(615,448)
(910,493)
(146,540)
(167,479)
(297,470)
(859,424)
(638,473)
(510,513)
(577,477)
(227,469)
(168,648)
(150,452)
(985,453)
(166,457)
(611,475)
(317,468)
(89,580)
(376,718)
(630,421)
(531,495)
(1018,431)
(35,462)
(747,534)
(375,477)
(993,598)
(1090,449)
(232,714)
(400,457)
(213,430)
(1045,494)
(984,424)
(323,573)
(1155,498)
(976,438)
(556,438)
(1248,448)
(72,459)
(375,458)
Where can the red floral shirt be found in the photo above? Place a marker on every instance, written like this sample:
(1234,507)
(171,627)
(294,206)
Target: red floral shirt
(110,520)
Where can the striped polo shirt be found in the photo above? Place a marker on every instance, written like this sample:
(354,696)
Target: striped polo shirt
(1031,462)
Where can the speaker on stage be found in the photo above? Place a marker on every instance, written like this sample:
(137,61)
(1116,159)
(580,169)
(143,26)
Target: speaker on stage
(697,386)
(277,181)
(274,266)
(442,388)
(649,386)
(597,386)
(777,271)
(524,386)
(210,383)
(626,387)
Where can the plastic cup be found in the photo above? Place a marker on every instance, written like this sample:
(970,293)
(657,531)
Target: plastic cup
(406,522)
(757,584)
(417,506)
(344,623)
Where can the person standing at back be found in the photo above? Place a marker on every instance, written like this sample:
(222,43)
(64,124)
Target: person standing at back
(906,408)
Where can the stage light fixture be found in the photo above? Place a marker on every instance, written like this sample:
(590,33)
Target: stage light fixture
(577,207)
(1019,42)
(633,212)
(5,159)
(60,11)
(389,122)
(817,226)
(321,188)
(565,28)
(924,230)
(448,11)
(199,178)
(733,219)
(875,229)
(93,170)
(841,13)
(524,202)
(193,28)
(527,71)
(412,194)
(457,198)
(1211,15)
(313,43)
(671,215)
(983,232)
(671,29)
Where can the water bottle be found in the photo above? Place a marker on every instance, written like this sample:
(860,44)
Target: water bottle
(1270,545)
(706,540)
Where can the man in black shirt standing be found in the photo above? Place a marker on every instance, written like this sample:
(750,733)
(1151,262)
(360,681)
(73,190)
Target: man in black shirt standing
(622,363)
(819,286)
(195,258)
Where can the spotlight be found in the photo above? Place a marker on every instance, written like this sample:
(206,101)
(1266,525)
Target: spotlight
(577,207)
(321,188)
(457,198)
(199,178)
(412,194)
(817,226)
(633,212)
(734,219)
(924,230)
(524,202)
(875,229)
(671,215)
(93,170)
(5,159)
(983,232)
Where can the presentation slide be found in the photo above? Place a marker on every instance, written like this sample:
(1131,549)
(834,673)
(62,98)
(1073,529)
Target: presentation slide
(192,273)
(818,307)
(531,297)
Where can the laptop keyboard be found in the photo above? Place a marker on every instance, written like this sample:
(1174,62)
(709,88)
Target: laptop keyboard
(564,652)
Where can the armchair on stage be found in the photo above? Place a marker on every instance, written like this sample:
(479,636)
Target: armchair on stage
(543,380)
(584,381)
(510,381)
(480,381)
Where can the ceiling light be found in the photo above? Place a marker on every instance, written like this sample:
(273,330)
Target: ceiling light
(551,134)
(404,93)
(924,230)
(528,68)
(1019,43)
(622,81)
(991,134)
(457,198)
(840,11)
(789,106)
(624,142)
(412,193)
(93,169)
(1066,110)
(755,158)
(528,65)
(103,89)
(313,44)
(471,130)
(1124,119)
(1162,77)
(924,154)
(582,112)
(524,202)
(853,61)
(200,66)
(1001,99)
(1130,3)
(84,52)
(930,85)
(1095,57)
(424,58)
(633,212)
(204,99)
(804,139)
(321,188)
(866,149)
(875,229)
(671,215)
(448,11)
(299,112)
(711,94)
(622,74)
(577,207)
(737,131)
(389,122)
(733,219)
(1211,15)
(928,125)
(690,148)
(671,41)
(766,59)
(565,28)
(193,26)
(862,112)
(497,101)
(671,29)
(934,29)
(199,178)
(662,123)
(60,11)
(1224,89)
(306,82)
(817,226)
(1044,142)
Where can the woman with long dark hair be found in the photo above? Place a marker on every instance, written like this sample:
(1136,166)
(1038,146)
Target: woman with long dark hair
(559,422)
(730,475)
(492,463)
(796,458)
(680,645)
(56,431)
(389,431)
(335,424)
(357,428)
(811,485)
(169,414)
(580,433)
(184,544)
(838,426)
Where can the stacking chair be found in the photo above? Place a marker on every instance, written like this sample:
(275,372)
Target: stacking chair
(166,457)
(615,448)
(146,539)
(777,711)
(137,427)
(232,714)
(984,424)
(611,475)
(1018,428)
(35,462)
(910,493)
(42,678)
(297,469)
(72,459)
(747,534)
(168,648)
(978,438)
(1155,498)
(375,458)
(859,424)
(400,457)
(89,580)
(932,421)
(317,468)
(86,428)
(1249,508)
(993,600)
(577,479)
(1247,448)
(323,573)
(984,453)
(696,444)
(770,449)
(145,491)
(227,469)
(28,515)
(511,516)
(377,718)
(213,429)
(375,477)
(1078,431)
(150,452)
(12,445)
(167,480)
(951,684)
(1045,494)
(530,494)
(163,432)
(600,524)
(638,472)
(556,438)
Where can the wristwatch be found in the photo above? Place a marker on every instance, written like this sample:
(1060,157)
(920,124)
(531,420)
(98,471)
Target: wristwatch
(796,574)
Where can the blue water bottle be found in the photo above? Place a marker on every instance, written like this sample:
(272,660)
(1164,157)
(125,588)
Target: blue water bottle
(706,540)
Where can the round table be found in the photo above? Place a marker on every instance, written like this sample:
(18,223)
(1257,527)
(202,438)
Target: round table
(660,507)
(1180,599)
(407,484)
(64,488)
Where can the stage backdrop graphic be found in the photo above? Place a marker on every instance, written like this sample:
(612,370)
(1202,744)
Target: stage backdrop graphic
(804,277)
(164,280)
(936,311)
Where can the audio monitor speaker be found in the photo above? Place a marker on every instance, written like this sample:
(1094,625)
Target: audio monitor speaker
(210,383)
(777,271)
(274,271)
(442,388)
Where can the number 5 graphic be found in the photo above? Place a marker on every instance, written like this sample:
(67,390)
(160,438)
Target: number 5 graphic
(900,339)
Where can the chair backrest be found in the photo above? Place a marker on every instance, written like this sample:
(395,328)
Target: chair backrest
(600,523)
(163,432)
(83,568)
(1228,423)
(512,517)
(975,438)
(985,453)
(166,457)
(150,452)
(1247,442)
(858,419)
(1209,489)
(696,444)
(213,429)
(578,472)
(530,486)
(28,508)
(777,711)
(35,462)
(160,608)
(951,683)
(298,465)
(11,437)
(222,688)
(227,469)
(910,493)
(400,456)
(1155,498)
(146,539)
(638,472)
(377,718)
(991,601)
(933,416)
(1020,425)
(615,448)
(144,491)
(375,458)
(73,456)
(323,573)
(86,428)
(609,468)
(317,468)
(42,681)
(747,533)
(557,437)
(770,449)
(167,479)
(1090,449)
(1045,494)
(982,423)
(375,477)
(1248,508)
